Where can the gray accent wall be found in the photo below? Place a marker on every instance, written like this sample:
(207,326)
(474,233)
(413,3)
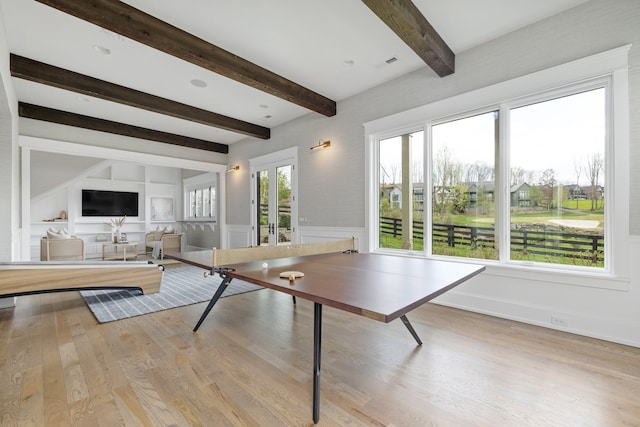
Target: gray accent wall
(331,185)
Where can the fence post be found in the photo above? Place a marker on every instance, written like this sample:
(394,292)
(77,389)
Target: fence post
(450,236)
(395,227)
(594,248)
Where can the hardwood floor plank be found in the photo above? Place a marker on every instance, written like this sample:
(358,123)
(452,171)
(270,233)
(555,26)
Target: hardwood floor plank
(130,407)
(9,413)
(31,399)
(250,365)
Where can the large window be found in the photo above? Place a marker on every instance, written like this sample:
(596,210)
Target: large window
(463,186)
(523,178)
(200,197)
(401,185)
(556,145)
(202,202)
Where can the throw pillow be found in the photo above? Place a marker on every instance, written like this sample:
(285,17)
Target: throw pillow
(52,233)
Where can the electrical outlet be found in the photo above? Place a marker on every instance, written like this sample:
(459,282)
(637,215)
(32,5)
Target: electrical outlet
(559,320)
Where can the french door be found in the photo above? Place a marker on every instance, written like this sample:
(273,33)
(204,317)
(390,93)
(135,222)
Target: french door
(273,198)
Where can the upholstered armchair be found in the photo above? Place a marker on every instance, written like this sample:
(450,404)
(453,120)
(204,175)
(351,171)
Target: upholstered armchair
(62,249)
(158,243)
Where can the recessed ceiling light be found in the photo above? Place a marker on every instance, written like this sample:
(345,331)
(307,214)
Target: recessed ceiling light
(101,49)
(198,83)
(391,60)
(267,116)
(349,63)
(263,106)
(84,99)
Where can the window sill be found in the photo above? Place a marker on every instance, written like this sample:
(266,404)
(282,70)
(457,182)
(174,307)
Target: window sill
(589,279)
(583,277)
(539,273)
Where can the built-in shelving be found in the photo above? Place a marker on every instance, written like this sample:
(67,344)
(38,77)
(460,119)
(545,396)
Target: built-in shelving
(148,181)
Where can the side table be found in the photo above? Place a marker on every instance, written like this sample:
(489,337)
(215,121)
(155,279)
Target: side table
(112,250)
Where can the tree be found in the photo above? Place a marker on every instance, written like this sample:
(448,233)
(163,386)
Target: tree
(446,175)
(577,167)
(536,196)
(477,172)
(459,198)
(547,184)
(595,164)
(517,175)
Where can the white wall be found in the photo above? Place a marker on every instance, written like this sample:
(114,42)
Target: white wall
(9,171)
(332,185)
(10,237)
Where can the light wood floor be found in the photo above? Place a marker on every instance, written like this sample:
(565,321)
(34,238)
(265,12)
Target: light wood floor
(250,365)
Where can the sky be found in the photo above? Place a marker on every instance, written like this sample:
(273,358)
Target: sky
(548,135)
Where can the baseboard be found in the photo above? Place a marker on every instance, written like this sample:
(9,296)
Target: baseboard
(572,322)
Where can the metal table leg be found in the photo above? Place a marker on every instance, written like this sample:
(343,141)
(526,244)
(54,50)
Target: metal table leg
(317,333)
(410,328)
(223,285)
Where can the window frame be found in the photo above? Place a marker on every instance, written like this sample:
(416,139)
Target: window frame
(608,67)
(207,181)
(503,178)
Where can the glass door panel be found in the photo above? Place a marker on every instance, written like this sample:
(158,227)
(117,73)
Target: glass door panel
(273,198)
(263,228)
(283,195)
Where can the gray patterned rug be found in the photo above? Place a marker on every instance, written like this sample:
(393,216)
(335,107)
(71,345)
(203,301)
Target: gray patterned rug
(180,286)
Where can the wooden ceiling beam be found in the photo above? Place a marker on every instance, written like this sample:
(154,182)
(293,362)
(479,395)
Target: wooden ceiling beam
(51,115)
(40,72)
(404,19)
(132,23)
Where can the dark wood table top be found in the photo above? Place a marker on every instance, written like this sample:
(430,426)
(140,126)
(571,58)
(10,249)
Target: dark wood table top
(381,287)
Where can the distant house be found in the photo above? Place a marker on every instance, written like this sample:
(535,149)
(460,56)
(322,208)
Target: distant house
(393,193)
(479,191)
(586,192)
(521,195)
(595,192)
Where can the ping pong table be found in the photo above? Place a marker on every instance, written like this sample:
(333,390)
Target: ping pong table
(380,287)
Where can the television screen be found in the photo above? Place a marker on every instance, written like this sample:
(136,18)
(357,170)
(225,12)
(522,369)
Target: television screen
(109,203)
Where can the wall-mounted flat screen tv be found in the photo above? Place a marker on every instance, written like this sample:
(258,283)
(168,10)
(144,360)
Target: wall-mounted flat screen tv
(109,203)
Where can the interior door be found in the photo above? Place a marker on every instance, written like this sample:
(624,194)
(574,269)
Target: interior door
(273,201)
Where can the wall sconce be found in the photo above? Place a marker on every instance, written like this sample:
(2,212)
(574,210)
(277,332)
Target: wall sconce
(233,168)
(321,144)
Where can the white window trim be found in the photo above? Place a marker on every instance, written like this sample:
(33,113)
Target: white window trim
(612,64)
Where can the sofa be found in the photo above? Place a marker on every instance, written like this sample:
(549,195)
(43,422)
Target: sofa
(161,241)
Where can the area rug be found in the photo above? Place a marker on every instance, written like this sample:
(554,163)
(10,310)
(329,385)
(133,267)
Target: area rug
(180,286)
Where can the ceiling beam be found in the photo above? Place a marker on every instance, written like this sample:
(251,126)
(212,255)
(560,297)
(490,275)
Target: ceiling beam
(132,23)
(404,18)
(46,114)
(40,72)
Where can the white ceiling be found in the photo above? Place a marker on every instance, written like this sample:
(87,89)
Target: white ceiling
(306,41)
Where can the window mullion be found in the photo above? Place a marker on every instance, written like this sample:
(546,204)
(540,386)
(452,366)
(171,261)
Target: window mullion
(503,166)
